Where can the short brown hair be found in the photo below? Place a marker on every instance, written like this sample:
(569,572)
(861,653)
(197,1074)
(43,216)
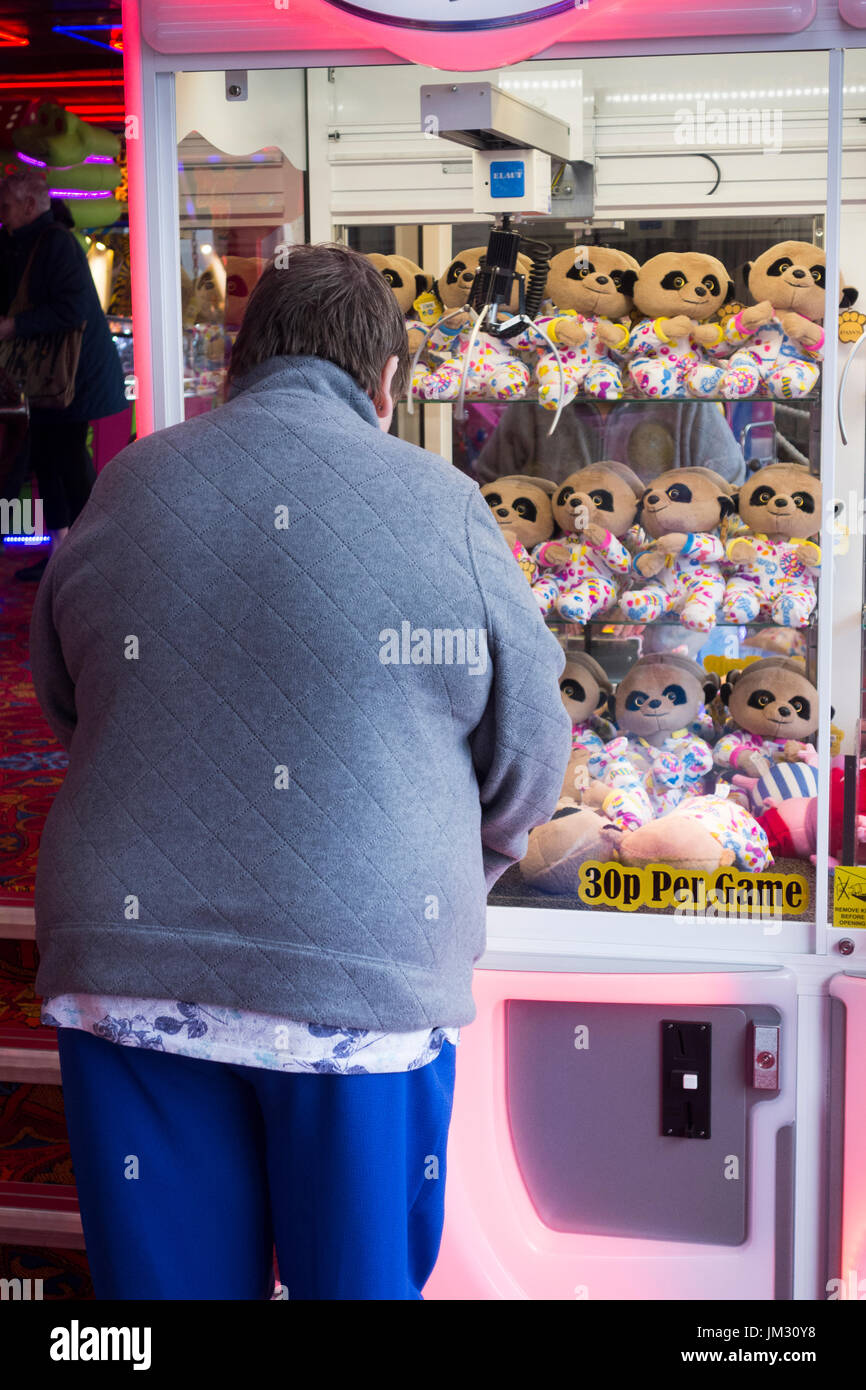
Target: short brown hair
(324,301)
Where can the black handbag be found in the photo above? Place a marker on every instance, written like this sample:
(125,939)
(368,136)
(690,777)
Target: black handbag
(44,366)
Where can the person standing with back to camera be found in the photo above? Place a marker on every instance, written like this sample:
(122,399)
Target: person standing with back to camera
(61,296)
(261,889)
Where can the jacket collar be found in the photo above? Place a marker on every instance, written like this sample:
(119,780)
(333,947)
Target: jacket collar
(307,376)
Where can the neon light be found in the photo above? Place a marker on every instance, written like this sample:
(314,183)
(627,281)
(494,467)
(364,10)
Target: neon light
(51,84)
(78,193)
(80,31)
(9,39)
(15,539)
(40,163)
(138,244)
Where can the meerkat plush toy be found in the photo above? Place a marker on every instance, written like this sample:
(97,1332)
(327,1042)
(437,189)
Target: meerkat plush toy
(778,340)
(585,691)
(407,281)
(523,510)
(494,369)
(774,709)
(681,514)
(773,563)
(671,351)
(585,569)
(654,705)
(599,773)
(703,833)
(590,291)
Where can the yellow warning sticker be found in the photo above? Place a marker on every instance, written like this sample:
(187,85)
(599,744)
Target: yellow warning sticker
(849,897)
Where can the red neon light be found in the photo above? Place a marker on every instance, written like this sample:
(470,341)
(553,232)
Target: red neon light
(80,109)
(26,83)
(139,251)
(9,39)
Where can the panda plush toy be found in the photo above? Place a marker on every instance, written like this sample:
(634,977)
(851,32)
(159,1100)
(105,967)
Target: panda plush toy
(654,706)
(777,342)
(522,508)
(773,563)
(590,292)
(586,568)
(774,709)
(675,348)
(494,369)
(680,515)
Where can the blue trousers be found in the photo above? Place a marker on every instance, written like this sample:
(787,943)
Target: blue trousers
(189,1172)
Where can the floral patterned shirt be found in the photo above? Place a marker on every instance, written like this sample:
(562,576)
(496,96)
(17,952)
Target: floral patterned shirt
(245,1039)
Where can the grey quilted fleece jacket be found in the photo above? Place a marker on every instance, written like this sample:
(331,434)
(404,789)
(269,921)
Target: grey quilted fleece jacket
(311,710)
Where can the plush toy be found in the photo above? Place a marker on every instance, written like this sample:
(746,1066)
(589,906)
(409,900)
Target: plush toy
(590,291)
(594,776)
(209,302)
(773,562)
(777,782)
(791,826)
(242,274)
(494,370)
(585,691)
(654,705)
(774,709)
(585,569)
(671,350)
(704,833)
(681,514)
(778,340)
(523,510)
(557,850)
(608,784)
(407,281)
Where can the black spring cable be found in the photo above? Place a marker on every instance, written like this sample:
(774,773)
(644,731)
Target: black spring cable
(539,254)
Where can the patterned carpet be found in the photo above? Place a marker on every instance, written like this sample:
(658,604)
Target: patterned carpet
(31,761)
(33,1142)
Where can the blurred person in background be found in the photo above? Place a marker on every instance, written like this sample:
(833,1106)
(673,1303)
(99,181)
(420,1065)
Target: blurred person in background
(61,296)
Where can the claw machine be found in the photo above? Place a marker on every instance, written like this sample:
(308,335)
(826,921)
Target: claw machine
(628,255)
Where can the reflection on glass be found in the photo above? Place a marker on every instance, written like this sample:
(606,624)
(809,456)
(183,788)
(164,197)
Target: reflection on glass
(235,213)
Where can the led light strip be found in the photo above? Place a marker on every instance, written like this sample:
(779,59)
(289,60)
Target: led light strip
(730,96)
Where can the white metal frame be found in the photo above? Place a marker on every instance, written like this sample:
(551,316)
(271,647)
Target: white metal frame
(542,938)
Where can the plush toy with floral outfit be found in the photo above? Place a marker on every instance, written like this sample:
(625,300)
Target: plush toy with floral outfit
(522,508)
(589,288)
(777,342)
(494,370)
(674,349)
(585,569)
(654,705)
(408,282)
(680,514)
(774,709)
(772,564)
(704,833)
